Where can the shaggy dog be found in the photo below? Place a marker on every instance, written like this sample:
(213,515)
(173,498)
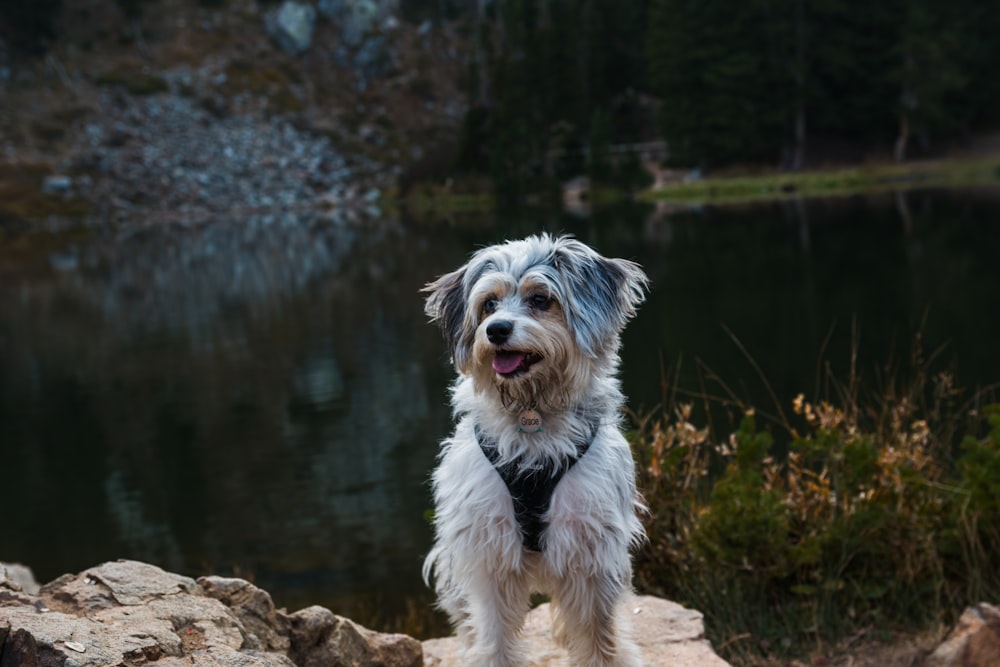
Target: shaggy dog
(535,490)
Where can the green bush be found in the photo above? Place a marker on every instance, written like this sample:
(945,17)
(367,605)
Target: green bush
(977,517)
(980,467)
(863,516)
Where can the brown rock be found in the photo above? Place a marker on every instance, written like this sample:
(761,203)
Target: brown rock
(667,634)
(113,584)
(320,638)
(223,657)
(17,577)
(37,638)
(254,608)
(975,641)
(12,589)
(130,613)
(361,646)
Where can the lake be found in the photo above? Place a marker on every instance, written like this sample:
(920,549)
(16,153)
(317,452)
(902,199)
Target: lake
(263,396)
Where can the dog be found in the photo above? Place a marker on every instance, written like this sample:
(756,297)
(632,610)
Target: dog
(535,489)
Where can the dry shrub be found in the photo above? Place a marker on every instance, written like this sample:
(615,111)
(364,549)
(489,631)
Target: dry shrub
(869,514)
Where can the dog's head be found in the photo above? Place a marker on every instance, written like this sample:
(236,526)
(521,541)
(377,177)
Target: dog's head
(536,317)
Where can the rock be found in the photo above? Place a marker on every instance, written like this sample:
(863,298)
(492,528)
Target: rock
(356,18)
(57,184)
(576,196)
(322,639)
(182,159)
(255,609)
(975,641)
(291,26)
(667,634)
(18,577)
(36,638)
(361,25)
(128,613)
(221,657)
(111,585)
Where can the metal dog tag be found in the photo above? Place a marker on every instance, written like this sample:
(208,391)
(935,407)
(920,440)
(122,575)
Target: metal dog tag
(529,421)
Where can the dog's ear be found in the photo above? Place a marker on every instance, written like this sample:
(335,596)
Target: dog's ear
(602,294)
(446,304)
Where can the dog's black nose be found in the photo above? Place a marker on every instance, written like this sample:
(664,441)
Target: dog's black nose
(498,331)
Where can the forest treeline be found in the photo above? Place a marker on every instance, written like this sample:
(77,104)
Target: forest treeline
(553,84)
(775,82)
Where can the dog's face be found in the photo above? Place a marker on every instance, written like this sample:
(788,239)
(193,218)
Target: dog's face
(534,317)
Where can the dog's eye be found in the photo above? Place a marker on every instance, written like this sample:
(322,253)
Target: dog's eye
(540,301)
(490,306)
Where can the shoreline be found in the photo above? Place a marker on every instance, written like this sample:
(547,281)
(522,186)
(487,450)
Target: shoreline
(735,188)
(837,181)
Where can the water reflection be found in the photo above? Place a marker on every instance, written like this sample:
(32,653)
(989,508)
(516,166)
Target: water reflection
(264,396)
(250,395)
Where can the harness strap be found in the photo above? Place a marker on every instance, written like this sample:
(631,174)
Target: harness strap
(531,488)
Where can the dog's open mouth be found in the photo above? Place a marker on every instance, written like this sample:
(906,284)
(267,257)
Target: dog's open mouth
(513,362)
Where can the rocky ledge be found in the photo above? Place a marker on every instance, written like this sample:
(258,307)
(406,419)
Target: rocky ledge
(667,634)
(130,613)
(127,613)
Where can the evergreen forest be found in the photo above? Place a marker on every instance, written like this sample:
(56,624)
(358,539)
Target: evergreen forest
(778,83)
(552,86)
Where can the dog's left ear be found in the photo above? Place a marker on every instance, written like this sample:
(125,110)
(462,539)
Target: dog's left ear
(446,305)
(602,296)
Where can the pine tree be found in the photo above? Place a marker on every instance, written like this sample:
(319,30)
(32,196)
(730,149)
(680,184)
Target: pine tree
(29,26)
(599,167)
(927,72)
(715,66)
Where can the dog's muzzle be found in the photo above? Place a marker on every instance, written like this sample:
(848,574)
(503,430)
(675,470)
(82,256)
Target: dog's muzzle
(498,331)
(508,362)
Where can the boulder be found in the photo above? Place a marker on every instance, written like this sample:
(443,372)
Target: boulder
(17,577)
(57,184)
(667,634)
(362,27)
(131,613)
(128,613)
(267,628)
(357,18)
(291,26)
(975,641)
(322,639)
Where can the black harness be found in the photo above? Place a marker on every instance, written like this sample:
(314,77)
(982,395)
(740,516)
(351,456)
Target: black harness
(531,488)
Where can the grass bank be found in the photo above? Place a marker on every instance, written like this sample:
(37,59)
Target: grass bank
(860,513)
(475,194)
(831,182)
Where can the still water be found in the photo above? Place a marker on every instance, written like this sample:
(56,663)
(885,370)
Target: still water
(263,397)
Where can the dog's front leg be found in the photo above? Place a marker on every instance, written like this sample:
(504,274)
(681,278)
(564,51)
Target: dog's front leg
(497,604)
(589,621)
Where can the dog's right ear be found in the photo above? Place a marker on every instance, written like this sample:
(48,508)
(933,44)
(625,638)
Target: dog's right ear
(446,305)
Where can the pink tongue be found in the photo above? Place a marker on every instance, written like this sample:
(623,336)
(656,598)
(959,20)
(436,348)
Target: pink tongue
(507,362)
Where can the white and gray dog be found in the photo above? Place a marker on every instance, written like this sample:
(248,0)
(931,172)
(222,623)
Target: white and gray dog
(535,490)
